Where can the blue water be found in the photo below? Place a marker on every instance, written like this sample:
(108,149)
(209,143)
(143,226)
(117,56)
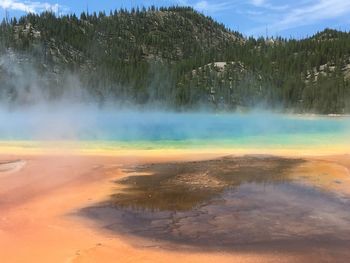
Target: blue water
(182,129)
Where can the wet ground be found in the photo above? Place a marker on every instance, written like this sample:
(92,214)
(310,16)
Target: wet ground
(10,166)
(231,203)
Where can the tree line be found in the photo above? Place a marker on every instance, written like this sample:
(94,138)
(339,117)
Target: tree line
(171,56)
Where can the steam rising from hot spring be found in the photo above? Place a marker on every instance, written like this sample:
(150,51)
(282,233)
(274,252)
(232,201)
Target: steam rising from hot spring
(88,122)
(37,106)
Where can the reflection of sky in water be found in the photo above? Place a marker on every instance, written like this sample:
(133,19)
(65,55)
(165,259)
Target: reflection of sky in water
(171,128)
(228,202)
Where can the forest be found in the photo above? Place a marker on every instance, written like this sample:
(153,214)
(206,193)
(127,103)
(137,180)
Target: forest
(173,57)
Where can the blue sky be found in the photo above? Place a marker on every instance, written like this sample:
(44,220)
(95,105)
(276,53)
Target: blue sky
(287,18)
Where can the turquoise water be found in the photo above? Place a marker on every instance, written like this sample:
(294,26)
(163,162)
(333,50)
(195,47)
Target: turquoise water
(153,130)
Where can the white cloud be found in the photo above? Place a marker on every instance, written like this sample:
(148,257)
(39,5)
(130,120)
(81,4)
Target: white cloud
(258,2)
(252,12)
(207,6)
(307,14)
(29,6)
(265,4)
(321,10)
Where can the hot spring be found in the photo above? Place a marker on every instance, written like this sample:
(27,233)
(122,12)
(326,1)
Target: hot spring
(91,129)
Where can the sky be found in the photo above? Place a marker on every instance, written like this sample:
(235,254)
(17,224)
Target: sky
(286,18)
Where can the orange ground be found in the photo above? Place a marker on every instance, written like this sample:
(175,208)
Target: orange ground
(38,201)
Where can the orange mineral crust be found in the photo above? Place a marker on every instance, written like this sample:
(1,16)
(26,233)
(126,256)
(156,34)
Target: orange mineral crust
(42,194)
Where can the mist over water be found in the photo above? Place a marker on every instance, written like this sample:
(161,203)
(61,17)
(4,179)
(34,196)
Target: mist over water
(115,125)
(28,112)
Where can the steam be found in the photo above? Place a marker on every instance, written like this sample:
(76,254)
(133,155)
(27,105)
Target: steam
(39,105)
(91,123)
(25,83)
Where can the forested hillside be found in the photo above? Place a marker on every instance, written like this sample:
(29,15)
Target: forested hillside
(174,57)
